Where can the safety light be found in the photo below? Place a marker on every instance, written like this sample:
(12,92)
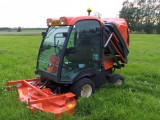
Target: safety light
(63,21)
(89,10)
(49,22)
(57,22)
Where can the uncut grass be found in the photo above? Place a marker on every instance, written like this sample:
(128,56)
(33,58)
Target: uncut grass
(138,98)
(18,56)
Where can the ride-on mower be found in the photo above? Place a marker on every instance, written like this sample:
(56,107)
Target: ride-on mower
(77,54)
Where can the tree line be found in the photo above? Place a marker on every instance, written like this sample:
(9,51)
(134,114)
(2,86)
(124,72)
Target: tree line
(19,29)
(142,15)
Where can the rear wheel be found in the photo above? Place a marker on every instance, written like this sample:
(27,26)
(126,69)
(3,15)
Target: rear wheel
(116,79)
(83,88)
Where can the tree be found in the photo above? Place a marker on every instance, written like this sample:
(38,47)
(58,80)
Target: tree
(128,12)
(19,29)
(158,28)
(141,13)
(98,14)
(148,27)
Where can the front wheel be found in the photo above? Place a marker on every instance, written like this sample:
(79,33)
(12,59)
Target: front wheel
(83,88)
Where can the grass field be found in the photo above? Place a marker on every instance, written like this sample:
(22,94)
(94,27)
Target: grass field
(137,99)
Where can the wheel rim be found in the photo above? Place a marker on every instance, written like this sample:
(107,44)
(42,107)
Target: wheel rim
(86,90)
(119,82)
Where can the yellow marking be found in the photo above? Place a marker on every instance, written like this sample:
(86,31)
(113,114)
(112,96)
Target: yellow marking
(20,92)
(70,105)
(56,23)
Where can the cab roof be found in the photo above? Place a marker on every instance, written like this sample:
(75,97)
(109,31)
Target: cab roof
(71,20)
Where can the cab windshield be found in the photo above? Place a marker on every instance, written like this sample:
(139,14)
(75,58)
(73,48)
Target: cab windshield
(51,49)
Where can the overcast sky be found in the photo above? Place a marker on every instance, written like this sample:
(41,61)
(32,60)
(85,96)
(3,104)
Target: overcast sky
(33,13)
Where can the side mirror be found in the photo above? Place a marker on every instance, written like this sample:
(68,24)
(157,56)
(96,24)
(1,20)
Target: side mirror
(43,34)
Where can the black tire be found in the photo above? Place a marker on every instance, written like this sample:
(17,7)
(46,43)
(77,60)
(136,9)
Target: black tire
(83,88)
(116,79)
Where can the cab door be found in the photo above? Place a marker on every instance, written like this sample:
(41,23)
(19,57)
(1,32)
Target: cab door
(83,49)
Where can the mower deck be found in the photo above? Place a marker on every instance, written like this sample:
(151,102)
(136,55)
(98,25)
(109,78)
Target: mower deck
(38,97)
